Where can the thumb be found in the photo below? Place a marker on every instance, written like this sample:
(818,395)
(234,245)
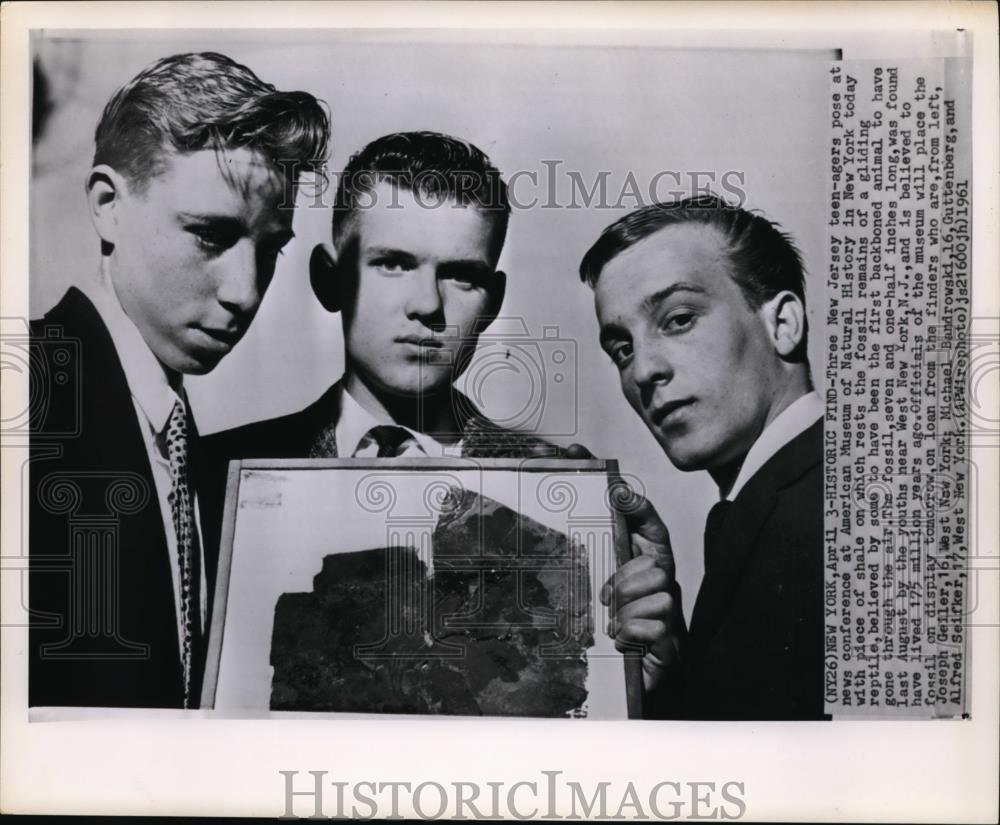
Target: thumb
(577,451)
(662,554)
(648,533)
(640,515)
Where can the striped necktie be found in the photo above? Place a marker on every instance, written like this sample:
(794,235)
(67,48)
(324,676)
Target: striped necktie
(182,508)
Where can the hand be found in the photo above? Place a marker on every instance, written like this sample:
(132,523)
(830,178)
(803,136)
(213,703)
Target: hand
(577,451)
(545,450)
(644,590)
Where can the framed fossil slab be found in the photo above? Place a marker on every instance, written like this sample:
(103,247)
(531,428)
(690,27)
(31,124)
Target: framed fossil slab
(419,586)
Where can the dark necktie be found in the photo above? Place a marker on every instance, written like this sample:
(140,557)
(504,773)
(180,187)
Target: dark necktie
(713,527)
(390,440)
(182,509)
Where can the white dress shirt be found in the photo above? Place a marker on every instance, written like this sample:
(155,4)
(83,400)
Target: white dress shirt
(353,440)
(794,420)
(154,397)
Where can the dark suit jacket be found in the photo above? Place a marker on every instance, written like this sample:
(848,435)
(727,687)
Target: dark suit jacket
(103,627)
(755,649)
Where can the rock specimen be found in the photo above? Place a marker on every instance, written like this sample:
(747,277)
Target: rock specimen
(500,628)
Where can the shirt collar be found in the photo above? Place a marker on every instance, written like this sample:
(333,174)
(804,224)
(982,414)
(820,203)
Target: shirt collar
(355,421)
(795,419)
(146,376)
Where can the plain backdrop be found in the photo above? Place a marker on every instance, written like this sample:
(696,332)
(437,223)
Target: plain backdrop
(543,105)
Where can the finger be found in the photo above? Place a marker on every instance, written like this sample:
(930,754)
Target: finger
(652,639)
(578,451)
(640,516)
(646,522)
(653,667)
(662,556)
(638,566)
(641,632)
(648,534)
(659,606)
(542,449)
(627,589)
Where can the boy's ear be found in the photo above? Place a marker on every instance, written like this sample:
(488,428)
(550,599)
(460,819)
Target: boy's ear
(105,188)
(324,278)
(785,317)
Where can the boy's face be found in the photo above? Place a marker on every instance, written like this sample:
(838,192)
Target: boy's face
(696,362)
(195,251)
(426,286)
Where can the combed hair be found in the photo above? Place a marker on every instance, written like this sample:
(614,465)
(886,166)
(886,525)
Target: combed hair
(765,260)
(429,164)
(206,100)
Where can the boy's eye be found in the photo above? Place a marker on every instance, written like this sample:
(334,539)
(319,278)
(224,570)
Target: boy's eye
(679,321)
(390,264)
(620,353)
(212,239)
(464,280)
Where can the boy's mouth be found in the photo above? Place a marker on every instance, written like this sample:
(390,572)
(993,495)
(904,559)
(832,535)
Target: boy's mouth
(419,341)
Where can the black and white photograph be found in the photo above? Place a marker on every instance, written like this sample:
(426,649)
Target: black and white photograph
(443,588)
(368,375)
(424,244)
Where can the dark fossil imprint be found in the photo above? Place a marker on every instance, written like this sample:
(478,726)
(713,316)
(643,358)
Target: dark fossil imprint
(501,627)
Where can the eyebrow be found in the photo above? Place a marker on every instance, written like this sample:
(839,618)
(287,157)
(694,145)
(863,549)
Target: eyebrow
(230,222)
(388,252)
(207,217)
(615,332)
(457,263)
(650,302)
(473,264)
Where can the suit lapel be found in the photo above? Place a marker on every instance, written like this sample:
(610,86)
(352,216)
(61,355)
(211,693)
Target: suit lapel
(143,556)
(743,523)
(482,438)
(114,445)
(322,418)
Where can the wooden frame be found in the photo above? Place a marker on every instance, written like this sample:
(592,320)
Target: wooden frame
(239,470)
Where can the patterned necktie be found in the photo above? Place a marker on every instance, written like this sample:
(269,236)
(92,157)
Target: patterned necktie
(713,526)
(182,508)
(390,440)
